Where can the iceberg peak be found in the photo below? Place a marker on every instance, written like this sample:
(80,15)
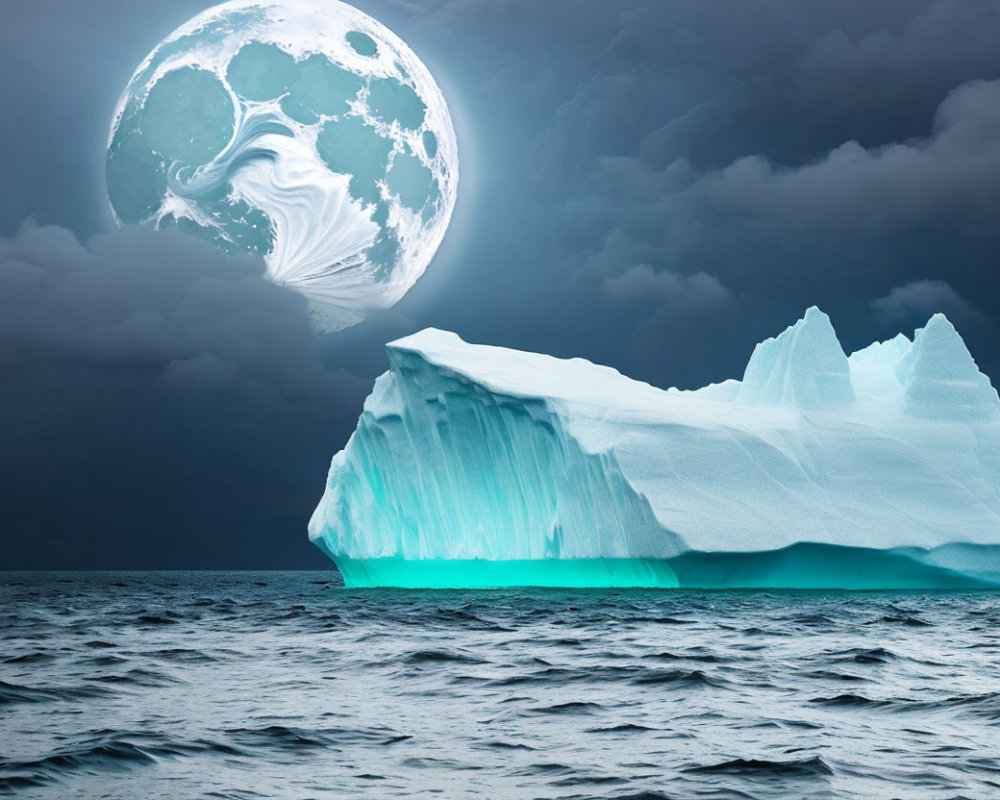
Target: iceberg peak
(804,366)
(940,375)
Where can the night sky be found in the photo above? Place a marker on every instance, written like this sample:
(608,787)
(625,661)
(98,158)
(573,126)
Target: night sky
(651,185)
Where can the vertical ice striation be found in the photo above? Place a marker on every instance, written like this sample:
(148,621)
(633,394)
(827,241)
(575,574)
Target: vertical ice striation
(444,467)
(475,465)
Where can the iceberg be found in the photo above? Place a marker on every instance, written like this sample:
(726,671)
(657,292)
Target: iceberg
(480,466)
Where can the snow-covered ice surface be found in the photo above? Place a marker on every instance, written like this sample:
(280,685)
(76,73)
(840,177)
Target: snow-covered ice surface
(476,465)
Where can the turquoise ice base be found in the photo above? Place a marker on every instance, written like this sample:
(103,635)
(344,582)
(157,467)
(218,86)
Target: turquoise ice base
(804,566)
(480,573)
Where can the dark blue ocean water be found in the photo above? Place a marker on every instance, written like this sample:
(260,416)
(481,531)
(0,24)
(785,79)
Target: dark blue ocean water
(286,685)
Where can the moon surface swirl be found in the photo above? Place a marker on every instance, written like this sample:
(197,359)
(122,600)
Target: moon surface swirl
(301,130)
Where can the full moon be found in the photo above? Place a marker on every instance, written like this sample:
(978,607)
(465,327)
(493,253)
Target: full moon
(301,130)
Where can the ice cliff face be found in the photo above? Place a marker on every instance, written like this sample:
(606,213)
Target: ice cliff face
(474,452)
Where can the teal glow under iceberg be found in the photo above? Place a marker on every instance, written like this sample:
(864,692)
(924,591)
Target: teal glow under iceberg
(481,466)
(801,566)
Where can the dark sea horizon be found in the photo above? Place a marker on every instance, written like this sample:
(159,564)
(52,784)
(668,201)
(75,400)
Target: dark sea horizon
(128,685)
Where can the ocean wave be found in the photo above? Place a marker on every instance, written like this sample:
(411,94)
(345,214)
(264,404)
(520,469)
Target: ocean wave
(542,694)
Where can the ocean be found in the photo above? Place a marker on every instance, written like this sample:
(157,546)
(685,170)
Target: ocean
(287,685)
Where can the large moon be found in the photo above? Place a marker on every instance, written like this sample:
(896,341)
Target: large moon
(301,130)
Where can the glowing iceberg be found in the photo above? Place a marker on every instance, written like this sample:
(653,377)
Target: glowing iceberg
(483,466)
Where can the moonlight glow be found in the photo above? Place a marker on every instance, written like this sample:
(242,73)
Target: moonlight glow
(301,130)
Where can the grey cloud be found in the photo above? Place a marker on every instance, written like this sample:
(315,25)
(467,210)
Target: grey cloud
(921,299)
(801,82)
(157,300)
(641,282)
(713,83)
(852,189)
(163,405)
(947,178)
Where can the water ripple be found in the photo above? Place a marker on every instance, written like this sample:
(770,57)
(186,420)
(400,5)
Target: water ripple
(286,685)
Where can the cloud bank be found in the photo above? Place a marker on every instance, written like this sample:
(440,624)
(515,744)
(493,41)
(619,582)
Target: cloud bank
(155,389)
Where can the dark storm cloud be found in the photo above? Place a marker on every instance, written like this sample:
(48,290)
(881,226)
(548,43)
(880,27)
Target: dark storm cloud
(847,199)
(157,300)
(790,153)
(641,282)
(850,191)
(652,185)
(921,299)
(153,388)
